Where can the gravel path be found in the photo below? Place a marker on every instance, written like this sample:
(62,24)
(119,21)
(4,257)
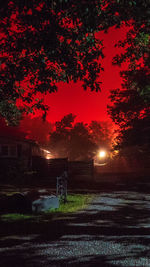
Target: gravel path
(114,230)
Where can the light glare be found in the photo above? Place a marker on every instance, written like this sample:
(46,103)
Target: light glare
(102,154)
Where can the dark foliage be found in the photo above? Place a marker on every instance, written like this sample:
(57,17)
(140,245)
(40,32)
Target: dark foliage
(46,42)
(78,141)
(130,108)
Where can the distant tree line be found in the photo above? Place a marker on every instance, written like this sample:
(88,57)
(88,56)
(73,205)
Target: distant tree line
(78,140)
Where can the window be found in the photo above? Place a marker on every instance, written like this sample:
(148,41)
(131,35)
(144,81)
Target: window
(8,150)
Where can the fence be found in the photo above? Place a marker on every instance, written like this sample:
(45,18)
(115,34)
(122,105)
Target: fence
(53,168)
(49,167)
(81,170)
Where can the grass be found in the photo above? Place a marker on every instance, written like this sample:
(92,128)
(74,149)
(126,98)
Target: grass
(12,217)
(74,203)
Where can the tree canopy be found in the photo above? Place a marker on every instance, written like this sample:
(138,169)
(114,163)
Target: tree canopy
(70,139)
(130,105)
(45,42)
(78,140)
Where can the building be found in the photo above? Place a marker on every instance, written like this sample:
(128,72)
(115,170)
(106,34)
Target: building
(15,150)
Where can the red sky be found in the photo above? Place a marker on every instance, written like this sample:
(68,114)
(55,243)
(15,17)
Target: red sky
(87,105)
(71,98)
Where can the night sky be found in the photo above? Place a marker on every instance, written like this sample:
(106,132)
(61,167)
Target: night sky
(71,98)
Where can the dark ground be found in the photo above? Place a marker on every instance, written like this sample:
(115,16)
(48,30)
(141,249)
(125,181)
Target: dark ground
(114,230)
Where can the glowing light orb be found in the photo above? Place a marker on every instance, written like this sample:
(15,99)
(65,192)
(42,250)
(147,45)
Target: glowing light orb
(102,154)
(48,156)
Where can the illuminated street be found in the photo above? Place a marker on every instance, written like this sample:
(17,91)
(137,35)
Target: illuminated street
(113,231)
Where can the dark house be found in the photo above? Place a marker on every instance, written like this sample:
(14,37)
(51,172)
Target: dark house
(16,151)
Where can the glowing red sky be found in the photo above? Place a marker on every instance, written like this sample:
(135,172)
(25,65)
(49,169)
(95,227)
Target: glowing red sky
(71,98)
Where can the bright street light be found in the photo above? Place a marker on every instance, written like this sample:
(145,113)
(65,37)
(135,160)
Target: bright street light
(102,154)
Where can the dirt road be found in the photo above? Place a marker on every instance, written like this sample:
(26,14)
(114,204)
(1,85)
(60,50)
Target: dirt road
(114,230)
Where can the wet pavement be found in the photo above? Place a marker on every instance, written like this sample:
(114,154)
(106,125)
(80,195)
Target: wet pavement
(114,230)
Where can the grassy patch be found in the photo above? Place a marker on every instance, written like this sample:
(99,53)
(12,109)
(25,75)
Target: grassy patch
(15,217)
(74,203)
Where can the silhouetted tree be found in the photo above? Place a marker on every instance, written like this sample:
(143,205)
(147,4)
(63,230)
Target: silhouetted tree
(78,141)
(130,108)
(60,136)
(81,146)
(45,42)
(131,113)
(101,133)
(71,139)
